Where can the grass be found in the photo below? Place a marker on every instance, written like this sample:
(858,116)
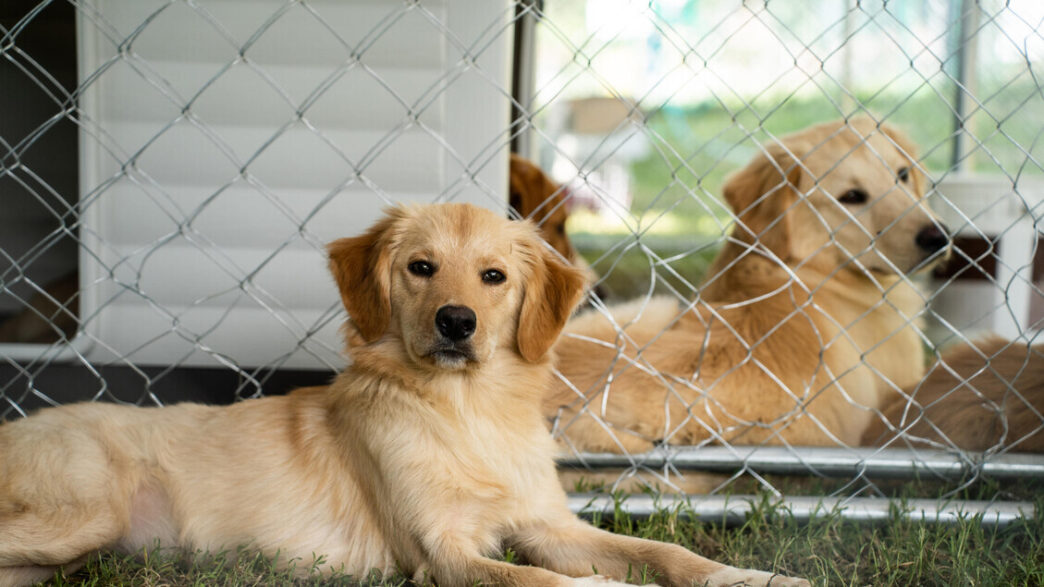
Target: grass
(828,550)
(243,567)
(626,273)
(693,148)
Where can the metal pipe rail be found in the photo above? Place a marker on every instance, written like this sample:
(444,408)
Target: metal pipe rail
(822,461)
(734,509)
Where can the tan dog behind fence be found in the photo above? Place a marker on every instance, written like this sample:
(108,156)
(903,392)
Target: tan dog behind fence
(426,456)
(982,395)
(533,195)
(805,325)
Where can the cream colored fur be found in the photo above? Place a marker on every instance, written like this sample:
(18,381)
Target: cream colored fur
(806,325)
(414,459)
(982,395)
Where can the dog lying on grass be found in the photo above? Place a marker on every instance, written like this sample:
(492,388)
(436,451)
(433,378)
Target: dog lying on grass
(426,456)
(806,325)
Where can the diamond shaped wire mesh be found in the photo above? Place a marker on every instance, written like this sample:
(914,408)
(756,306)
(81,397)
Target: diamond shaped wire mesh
(171,170)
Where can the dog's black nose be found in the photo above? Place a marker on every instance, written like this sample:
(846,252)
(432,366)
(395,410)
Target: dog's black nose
(932,238)
(455,322)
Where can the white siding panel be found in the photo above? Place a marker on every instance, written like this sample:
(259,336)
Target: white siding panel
(292,157)
(356,96)
(226,141)
(206,335)
(140,215)
(274,276)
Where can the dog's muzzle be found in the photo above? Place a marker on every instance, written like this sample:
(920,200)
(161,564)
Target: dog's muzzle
(932,238)
(455,325)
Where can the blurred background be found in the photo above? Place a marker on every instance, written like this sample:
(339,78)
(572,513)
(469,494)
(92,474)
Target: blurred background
(644,109)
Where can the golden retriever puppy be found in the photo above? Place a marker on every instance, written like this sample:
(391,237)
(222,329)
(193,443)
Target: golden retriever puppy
(533,195)
(427,455)
(805,325)
(984,395)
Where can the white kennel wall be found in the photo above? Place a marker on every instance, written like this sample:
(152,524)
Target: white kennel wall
(224,142)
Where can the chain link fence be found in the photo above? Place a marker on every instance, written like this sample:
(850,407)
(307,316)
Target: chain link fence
(170,171)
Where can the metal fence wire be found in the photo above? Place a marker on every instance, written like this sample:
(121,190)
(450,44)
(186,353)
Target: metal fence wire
(170,171)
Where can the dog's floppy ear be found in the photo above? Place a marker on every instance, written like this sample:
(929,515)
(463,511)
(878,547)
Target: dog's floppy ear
(529,187)
(760,194)
(361,268)
(551,295)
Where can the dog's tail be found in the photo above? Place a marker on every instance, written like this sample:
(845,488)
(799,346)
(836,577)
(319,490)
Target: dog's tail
(981,395)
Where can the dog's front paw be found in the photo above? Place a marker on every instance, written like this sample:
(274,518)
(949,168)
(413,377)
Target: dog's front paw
(601,581)
(735,577)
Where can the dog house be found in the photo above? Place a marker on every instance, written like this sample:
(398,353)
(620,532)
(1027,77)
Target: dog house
(217,148)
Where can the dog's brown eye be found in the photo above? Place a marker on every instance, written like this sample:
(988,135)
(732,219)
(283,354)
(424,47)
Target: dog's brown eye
(903,174)
(854,197)
(493,276)
(421,268)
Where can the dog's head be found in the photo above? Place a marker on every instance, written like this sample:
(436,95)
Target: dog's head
(454,284)
(840,192)
(533,195)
